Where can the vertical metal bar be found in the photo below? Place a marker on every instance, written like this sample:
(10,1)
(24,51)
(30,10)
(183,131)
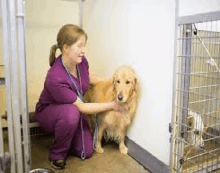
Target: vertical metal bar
(211,47)
(172,156)
(6,55)
(15,94)
(186,65)
(184,95)
(195,83)
(80,13)
(23,83)
(1,142)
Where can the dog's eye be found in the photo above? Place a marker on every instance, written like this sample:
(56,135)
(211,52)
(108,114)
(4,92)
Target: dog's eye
(127,82)
(118,81)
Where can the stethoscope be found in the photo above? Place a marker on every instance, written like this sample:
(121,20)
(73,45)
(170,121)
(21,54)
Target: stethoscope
(80,95)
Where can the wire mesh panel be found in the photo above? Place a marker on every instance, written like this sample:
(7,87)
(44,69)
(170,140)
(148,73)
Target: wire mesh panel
(196,136)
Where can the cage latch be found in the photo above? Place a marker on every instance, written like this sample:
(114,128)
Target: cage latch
(5,162)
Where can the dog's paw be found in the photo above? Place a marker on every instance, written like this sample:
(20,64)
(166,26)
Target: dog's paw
(100,150)
(124,150)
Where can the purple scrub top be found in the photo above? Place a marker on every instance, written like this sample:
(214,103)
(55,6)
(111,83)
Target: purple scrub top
(58,88)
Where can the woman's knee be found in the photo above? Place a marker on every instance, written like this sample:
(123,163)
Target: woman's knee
(70,115)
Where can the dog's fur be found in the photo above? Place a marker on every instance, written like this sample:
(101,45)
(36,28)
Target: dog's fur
(198,124)
(196,129)
(123,87)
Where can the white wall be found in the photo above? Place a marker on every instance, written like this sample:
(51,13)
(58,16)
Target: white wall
(139,33)
(44,19)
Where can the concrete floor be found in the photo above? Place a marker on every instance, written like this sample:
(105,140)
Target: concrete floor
(111,161)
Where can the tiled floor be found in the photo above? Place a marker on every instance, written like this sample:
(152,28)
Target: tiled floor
(111,161)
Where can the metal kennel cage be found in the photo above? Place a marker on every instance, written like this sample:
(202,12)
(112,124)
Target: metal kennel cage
(195,141)
(17,123)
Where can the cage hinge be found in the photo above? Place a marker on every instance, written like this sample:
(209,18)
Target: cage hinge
(2,80)
(170,130)
(170,127)
(5,162)
(170,140)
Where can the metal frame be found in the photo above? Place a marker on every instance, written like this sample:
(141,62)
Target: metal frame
(173,127)
(80,13)
(187,21)
(14,53)
(6,55)
(1,142)
(15,90)
(21,32)
(198,18)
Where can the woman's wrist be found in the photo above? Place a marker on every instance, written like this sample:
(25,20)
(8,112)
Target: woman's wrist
(112,105)
(117,107)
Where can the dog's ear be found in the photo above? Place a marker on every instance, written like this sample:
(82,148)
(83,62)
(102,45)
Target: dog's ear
(113,81)
(191,122)
(113,86)
(136,84)
(112,89)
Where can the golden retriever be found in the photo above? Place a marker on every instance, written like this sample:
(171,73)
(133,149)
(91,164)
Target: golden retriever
(123,87)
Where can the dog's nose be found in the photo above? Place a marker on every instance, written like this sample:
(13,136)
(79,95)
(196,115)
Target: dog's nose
(202,147)
(120,97)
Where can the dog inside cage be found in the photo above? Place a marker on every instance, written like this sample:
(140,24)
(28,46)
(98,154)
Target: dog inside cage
(197,95)
(195,129)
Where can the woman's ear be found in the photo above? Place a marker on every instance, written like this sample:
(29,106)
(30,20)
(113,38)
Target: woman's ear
(65,48)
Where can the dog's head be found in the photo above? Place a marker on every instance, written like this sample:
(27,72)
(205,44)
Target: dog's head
(124,84)
(196,129)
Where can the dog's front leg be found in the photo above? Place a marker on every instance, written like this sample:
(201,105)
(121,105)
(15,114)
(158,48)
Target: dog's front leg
(100,134)
(123,149)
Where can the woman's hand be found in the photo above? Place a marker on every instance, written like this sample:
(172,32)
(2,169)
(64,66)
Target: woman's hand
(118,108)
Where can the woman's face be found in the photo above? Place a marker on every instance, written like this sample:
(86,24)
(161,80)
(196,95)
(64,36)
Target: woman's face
(76,51)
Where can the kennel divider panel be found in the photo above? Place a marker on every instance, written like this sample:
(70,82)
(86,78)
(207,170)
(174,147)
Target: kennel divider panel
(182,92)
(6,55)
(15,84)
(177,142)
(185,75)
(1,142)
(173,126)
(21,36)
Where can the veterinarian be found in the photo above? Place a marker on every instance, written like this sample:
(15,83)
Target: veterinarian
(60,109)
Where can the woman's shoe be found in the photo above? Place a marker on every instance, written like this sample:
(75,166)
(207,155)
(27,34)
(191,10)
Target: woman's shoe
(58,164)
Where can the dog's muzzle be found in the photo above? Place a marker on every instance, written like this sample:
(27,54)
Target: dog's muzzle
(120,97)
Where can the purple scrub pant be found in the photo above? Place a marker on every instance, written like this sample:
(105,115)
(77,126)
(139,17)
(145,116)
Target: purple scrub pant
(64,121)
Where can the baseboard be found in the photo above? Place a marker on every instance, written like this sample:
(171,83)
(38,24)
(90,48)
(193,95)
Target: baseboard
(145,158)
